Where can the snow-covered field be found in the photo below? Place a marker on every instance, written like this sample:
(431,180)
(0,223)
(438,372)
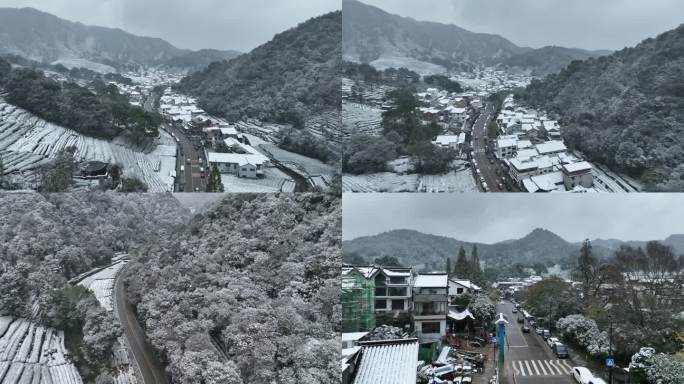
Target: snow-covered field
(298,163)
(361,118)
(274,181)
(83,63)
(380,182)
(453,181)
(27,141)
(102,285)
(31,353)
(421,67)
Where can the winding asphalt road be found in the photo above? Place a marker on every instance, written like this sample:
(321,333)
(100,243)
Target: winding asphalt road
(151,368)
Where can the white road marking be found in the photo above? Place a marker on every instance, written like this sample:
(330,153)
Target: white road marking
(542,366)
(535,366)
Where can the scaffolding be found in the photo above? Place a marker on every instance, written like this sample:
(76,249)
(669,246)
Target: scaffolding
(358,302)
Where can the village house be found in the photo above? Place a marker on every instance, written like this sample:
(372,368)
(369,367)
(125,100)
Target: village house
(430,299)
(577,174)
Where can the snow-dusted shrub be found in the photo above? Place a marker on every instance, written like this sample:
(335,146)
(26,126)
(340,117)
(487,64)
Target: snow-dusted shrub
(585,333)
(657,368)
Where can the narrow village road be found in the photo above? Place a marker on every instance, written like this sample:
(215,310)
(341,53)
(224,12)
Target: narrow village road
(188,174)
(151,368)
(487,170)
(528,360)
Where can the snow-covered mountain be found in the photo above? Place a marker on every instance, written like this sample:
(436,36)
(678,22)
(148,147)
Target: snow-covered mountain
(43,37)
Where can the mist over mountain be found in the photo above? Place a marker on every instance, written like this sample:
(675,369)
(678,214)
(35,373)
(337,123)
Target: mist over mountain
(551,59)
(371,35)
(414,248)
(40,36)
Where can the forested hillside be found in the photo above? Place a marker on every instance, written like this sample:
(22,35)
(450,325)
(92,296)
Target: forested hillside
(47,239)
(547,60)
(46,38)
(100,112)
(625,110)
(198,60)
(285,80)
(259,274)
(371,33)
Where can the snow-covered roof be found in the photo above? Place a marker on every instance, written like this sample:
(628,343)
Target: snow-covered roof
(524,144)
(507,142)
(577,167)
(388,362)
(458,316)
(229,131)
(446,139)
(236,158)
(523,154)
(396,273)
(353,336)
(431,281)
(467,284)
(551,146)
(549,181)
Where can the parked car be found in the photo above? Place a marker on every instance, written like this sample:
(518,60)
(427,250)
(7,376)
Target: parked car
(521,320)
(597,380)
(540,331)
(561,351)
(525,329)
(546,334)
(514,310)
(551,341)
(482,179)
(582,375)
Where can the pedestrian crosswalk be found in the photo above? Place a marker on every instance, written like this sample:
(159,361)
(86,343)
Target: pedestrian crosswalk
(541,367)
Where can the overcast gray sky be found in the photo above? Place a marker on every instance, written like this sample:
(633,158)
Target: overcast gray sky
(489,218)
(221,24)
(588,24)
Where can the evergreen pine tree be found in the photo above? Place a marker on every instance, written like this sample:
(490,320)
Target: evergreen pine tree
(462,267)
(448,265)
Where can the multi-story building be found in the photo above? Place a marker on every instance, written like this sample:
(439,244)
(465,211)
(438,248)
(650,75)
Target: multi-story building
(430,300)
(392,295)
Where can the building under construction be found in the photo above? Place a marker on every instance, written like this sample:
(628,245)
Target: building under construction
(358,301)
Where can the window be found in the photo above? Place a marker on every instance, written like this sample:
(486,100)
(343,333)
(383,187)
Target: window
(397,291)
(380,291)
(398,305)
(459,290)
(380,304)
(430,327)
(397,280)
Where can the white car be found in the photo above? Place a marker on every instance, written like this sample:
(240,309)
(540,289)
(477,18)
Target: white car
(582,375)
(597,380)
(551,341)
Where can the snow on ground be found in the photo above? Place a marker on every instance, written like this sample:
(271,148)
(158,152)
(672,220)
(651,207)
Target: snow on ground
(454,181)
(27,141)
(361,119)
(380,182)
(234,184)
(31,353)
(421,67)
(83,63)
(449,182)
(306,166)
(102,283)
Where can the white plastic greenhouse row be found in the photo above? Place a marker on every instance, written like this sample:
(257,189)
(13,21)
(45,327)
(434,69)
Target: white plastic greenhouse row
(31,353)
(27,141)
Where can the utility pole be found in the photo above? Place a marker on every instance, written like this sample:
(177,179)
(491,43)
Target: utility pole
(610,348)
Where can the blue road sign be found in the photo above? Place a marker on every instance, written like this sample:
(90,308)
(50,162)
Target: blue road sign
(610,362)
(493,340)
